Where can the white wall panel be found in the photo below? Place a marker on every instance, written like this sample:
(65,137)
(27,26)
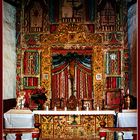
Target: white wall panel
(9,51)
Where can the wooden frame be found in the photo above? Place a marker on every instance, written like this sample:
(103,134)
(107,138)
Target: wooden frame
(113,100)
(57,102)
(87,103)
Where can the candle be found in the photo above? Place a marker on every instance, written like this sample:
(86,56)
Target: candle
(47,108)
(98,108)
(77,108)
(55,108)
(65,108)
(87,108)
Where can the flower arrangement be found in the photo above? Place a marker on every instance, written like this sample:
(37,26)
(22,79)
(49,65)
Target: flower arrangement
(39,97)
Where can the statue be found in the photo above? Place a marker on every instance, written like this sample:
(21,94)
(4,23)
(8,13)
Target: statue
(20,100)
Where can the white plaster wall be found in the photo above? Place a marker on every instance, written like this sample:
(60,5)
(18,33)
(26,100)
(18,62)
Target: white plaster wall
(132,44)
(132,23)
(9,51)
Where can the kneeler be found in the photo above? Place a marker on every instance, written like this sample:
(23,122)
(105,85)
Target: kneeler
(19,131)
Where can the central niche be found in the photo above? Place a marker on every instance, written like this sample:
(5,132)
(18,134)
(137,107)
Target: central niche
(71,79)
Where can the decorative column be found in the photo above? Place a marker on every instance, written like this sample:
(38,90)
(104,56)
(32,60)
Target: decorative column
(97,76)
(46,71)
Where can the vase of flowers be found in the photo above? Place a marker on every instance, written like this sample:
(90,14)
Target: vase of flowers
(39,97)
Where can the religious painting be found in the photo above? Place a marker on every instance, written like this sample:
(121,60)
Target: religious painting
(87,104)
(31,69)
(36,15)
(113,100)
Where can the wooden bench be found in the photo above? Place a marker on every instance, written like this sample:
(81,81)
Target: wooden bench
(19,131)
(103,131)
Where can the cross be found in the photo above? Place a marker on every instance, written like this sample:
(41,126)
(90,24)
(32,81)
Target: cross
(74,121)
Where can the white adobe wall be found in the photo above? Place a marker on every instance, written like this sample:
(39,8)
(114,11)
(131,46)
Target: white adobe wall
(132,44)
(132,23)
(9,51)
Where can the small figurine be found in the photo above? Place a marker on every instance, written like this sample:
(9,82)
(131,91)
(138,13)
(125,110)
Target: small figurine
(127,100)
(20,100)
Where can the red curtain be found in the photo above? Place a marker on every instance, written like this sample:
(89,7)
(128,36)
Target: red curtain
(61,87)
(60,81)
(84,82)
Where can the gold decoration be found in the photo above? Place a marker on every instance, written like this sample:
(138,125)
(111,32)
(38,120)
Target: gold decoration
(46,71)
(61,127)
(98,68)
(72,63)
(73,36)
(36,118)
(71,33)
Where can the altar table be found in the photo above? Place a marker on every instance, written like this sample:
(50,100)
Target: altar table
(127,118)
(73,124)
(19,119)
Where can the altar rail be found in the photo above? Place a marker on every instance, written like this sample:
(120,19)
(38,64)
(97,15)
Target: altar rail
(19,131)
(103,131)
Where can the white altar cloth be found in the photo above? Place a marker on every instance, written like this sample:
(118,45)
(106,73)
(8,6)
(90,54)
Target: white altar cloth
(94,112)
(19,119)
(128,118)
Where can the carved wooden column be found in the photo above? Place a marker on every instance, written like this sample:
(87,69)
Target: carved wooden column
(37,125)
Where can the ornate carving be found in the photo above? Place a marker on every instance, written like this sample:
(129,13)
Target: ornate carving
(71,34)
(35,16)
(46,71)
(75,36)
(86,127)
(98,68)
(72,102)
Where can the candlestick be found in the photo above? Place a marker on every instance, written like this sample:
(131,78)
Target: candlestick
(65,108)
(87,108)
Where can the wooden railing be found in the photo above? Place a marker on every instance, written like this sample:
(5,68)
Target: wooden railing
(104,130)
(19,131)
